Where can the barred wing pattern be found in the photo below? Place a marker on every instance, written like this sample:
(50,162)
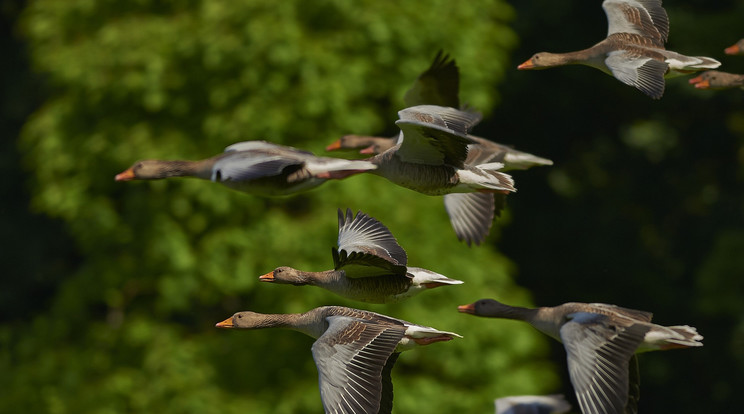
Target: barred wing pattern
(598,358)
(435,135)
(352,356)
(366,247)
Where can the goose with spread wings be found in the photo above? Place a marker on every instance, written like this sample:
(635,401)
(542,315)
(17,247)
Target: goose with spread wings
(430,158)
(354,351)
(471,214)
(601,342)
(369,265)
(255,167)
(633,51)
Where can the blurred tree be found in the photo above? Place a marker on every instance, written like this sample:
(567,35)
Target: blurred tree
(129,325)
(111,292)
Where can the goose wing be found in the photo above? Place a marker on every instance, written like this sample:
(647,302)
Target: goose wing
(435,135)
(598,356)
(642,17)
(250,165)
(471,215)
(366,247)
(641,72)
(267,147)
(438,85)
(354,358)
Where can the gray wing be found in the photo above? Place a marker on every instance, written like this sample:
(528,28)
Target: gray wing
(251,165)
(266,147)
(598,357)
(471,215)
(642,73)
(643,17)
(435,135)
(366,247)
(438,85)
(351,356)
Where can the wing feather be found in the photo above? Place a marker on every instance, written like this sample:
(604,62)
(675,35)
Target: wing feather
(351,356)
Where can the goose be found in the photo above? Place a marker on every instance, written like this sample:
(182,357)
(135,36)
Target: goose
(532,404)
(369,265)
(471,214)
(633,51)
(430,158)
(439,85)
(713,79)
(736,49)
(255,167)
(354,351)
(601,342)
(462,207)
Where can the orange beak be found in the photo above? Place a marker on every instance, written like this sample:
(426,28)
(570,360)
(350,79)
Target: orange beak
(466,309)
(699,82)
(732,50)
(268,277)
(227,323)
(526,65)
(127,175)
(335,146)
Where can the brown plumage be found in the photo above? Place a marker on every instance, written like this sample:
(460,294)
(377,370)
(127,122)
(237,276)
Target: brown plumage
(354,351)
(601,342)
(255,167)
(633,51)
(369,265)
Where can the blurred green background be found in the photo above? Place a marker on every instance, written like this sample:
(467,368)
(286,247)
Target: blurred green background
(110,291)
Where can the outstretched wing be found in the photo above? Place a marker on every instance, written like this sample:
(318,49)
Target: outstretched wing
(352,358)
(435,135)
(247,165)
(438,85)
(642,17)
(598,358)
(264,146)
(471,215)
(641,72)
(366,247)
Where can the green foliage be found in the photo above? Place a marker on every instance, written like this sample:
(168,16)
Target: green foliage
(131,329)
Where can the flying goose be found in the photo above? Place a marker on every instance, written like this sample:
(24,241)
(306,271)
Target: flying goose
(255,167)
(430,158)
(369,265)
(633,51)
(471,214)
(601,342)
(354,351)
